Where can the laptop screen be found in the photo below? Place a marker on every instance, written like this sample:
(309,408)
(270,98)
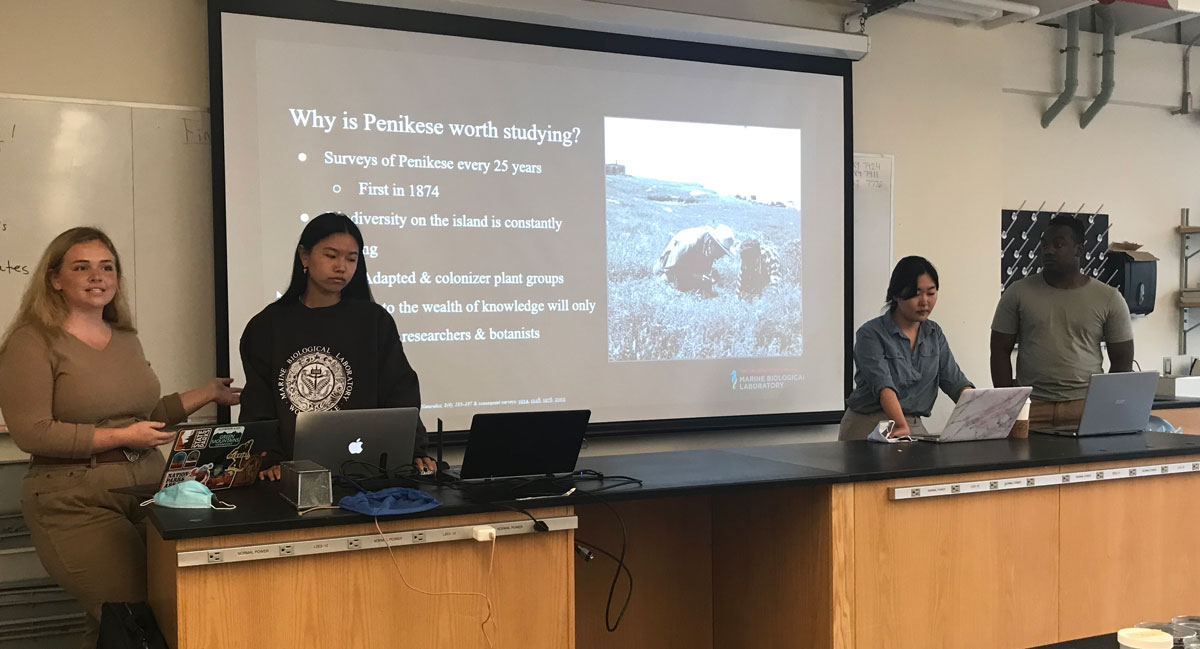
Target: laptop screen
(524,443)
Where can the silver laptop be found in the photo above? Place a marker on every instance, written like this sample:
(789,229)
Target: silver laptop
(1115,404)
(984,413)
(357,440)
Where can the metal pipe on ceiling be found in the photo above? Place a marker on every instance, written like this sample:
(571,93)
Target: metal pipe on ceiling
(1071,79)
(1108,54)
(1186,105)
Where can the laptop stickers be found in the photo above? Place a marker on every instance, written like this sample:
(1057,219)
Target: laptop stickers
(218,457)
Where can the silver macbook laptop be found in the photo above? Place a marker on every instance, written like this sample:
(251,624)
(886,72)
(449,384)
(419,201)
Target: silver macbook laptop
(1115,404)
(380,437)
(984,413)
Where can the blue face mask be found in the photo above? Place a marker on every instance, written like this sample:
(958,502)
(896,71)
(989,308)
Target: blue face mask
(189,494)
(393,500)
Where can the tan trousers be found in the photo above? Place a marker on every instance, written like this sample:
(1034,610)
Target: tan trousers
(1045,414)
(856,425)
(91,541)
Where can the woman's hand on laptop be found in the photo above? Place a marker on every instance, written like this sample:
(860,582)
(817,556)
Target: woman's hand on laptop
(425,465)
(271,474)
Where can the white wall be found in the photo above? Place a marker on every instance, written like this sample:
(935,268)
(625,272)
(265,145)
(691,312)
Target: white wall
(147,51)
(958,107)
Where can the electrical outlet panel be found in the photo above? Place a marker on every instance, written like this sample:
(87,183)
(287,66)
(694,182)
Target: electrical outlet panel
(365,542)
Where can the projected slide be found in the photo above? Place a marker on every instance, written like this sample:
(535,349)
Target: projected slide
(550,228)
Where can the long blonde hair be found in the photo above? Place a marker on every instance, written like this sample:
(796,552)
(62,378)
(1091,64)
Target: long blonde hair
(45,309)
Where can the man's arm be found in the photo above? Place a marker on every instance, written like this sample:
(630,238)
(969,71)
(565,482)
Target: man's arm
(1118,326)
(1120,356)
(1007,318)
(1001,359)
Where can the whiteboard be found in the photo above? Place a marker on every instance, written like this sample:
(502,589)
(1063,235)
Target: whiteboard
(140,173)
(874,182)
(61,165)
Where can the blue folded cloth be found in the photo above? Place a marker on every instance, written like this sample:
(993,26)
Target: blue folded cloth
(393,500)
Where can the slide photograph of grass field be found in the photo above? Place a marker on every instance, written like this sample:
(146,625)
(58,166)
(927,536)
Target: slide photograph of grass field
(703,241)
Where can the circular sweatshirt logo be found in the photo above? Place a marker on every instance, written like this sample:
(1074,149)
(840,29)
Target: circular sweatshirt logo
(315,379)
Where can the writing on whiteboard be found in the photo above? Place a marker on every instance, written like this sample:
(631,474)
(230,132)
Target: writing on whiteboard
(195,131)
(14,269)
(869,174)
(8,267)
(7,135)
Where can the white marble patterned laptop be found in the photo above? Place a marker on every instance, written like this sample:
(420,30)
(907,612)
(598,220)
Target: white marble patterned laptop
(984,413)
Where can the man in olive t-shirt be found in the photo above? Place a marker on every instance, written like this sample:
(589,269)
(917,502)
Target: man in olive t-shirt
(1059,317)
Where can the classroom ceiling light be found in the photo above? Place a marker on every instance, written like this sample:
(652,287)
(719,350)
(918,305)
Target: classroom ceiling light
(1191,6)
(989,13)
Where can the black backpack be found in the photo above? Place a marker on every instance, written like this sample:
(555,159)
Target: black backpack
(129,626)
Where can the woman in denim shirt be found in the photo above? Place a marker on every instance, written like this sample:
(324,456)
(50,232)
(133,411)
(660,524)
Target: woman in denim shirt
(901,358)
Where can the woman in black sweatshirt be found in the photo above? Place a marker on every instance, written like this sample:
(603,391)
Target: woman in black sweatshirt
(326,344)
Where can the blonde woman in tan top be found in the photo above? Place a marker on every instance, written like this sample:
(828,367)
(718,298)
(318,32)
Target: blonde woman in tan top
(79,396)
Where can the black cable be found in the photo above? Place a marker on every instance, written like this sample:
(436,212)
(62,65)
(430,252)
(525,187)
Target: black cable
(493,491)
(353,483)
(626,482)
(407,475)
(612,626)
(547,486)
(587,475)
(590,475)
(620,565)
(515,485)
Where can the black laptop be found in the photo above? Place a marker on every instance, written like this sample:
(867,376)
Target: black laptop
(512,444)
(219,456)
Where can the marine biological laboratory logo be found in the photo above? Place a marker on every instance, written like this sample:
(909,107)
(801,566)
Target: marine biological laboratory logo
(763,379)
(315,379)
